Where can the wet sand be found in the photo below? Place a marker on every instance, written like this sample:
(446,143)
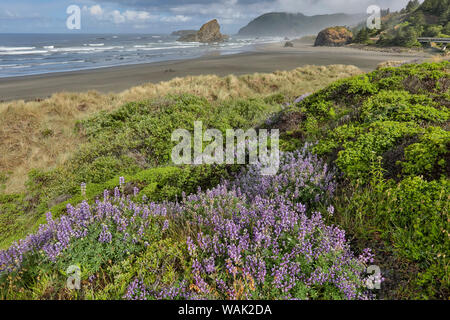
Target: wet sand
(262,59)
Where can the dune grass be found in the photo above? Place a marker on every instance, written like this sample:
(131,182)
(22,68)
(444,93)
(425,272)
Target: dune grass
(40,134)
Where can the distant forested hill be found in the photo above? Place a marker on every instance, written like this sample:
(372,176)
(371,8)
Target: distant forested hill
(295,24)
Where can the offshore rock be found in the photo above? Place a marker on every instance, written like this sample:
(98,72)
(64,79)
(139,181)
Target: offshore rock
(208,33)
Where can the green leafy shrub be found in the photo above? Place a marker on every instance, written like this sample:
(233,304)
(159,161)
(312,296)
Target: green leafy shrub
(105,168)
(12,219)
(137,136)
(402,106)
(429,156)
(389,137)
(374,140)
(162,264)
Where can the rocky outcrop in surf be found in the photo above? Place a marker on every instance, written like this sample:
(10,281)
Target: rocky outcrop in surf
(208,33)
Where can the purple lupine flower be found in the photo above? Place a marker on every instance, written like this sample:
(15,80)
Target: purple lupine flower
(165,225)
(301,98)
(137,290)
(83,190)
(116,193)
(105,195)
(105,235)
(330,210)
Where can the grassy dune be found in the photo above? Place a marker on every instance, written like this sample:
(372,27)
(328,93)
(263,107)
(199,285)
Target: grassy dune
(40,134)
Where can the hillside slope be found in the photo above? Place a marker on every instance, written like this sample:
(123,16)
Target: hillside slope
(387,132)
(429,19)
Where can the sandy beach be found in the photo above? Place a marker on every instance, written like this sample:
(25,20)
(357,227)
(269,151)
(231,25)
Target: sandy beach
(262,59)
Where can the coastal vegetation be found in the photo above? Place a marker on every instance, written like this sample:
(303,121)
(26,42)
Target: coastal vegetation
(40,134)
(364,180)
(387,132)
(429,19)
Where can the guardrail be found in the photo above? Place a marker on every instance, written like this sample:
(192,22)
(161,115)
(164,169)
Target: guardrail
(437,40)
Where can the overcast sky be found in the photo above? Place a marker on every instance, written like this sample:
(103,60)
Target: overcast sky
(161,16)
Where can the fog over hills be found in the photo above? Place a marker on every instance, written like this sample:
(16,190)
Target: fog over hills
(296,24)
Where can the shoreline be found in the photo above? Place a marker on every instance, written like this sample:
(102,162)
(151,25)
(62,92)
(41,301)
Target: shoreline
(265,58)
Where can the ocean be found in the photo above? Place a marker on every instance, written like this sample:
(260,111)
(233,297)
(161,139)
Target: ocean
(28,54)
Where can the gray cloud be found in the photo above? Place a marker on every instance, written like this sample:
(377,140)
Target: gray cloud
(233,14)
(165,15)
(306,6)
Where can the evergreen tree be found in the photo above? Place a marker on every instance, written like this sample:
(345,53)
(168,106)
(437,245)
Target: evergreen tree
(362,36)
(432,31)
(446,29)
(445,17)
(406,37)
(435,7)
(412,5)
(417,19)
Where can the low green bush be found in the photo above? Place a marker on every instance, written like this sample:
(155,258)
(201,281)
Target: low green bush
(163,264)
(412,218)
(402,106)
(361,146)
(428,156)
(387,132)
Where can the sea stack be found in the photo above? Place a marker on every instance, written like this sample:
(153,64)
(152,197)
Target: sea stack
(208,33)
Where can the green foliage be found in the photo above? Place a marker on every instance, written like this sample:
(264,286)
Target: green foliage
(402,106)
(404,36)
(138,136)
(92,254)
(134,138)
(387,132)
(428,156)
(359,119)
(432,31)
(418,213)
(389,137)
(13,222)
(429,19)
(362,36)
(106,268)
(275,24)
(435,7)
(375,140)
(446,29)
(156,184)
(3,180)
(411,217)
(162,264)
(412,5)
(105,168)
